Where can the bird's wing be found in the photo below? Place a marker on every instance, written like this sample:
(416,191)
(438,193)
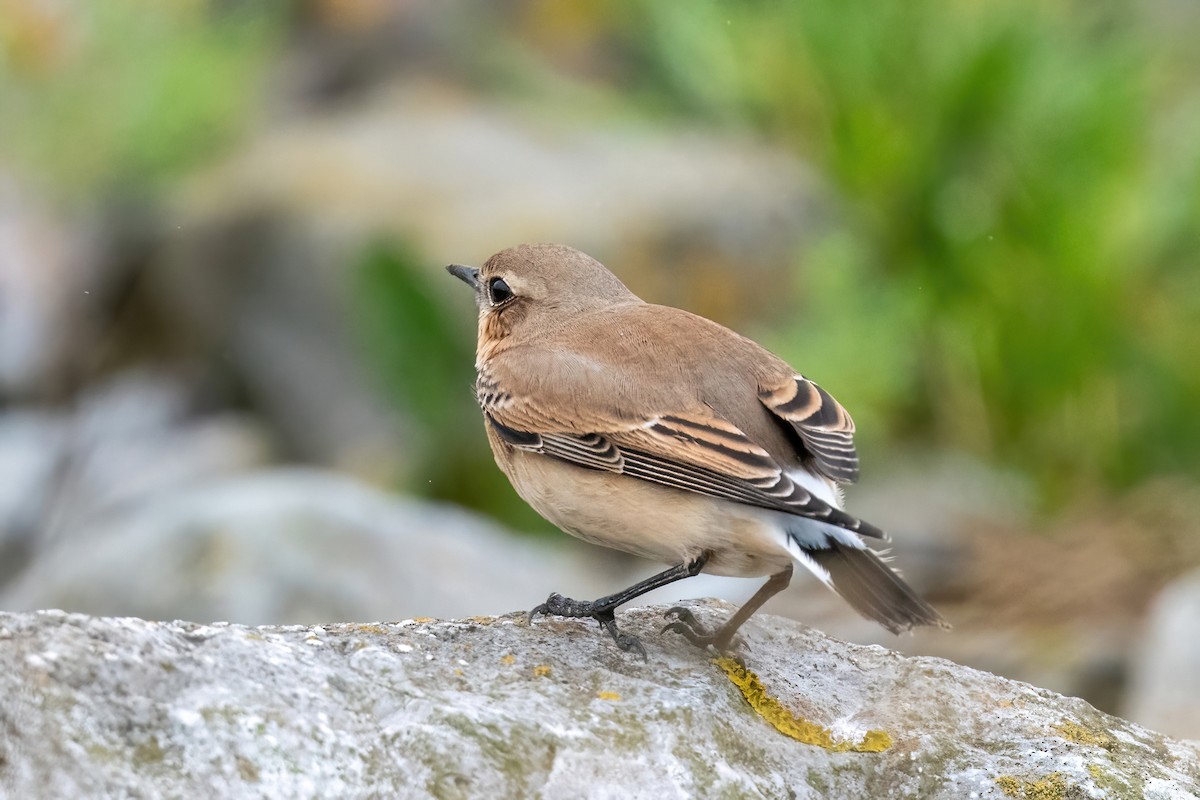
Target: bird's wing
(823,425)
(694,450)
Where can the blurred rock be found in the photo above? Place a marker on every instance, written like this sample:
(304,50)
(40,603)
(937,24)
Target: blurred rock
(1056,603)
(31,448)
(493,708)
(134,436)
(462,176)
(295,546)
(128,438)
(1164,686)
(267,300)
(45,285)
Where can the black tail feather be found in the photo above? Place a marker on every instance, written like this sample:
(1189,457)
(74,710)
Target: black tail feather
(874,589)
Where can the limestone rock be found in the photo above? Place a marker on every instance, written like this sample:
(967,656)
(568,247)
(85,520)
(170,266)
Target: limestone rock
(490,707)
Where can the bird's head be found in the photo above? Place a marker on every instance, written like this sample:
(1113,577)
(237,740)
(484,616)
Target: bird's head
(533,287)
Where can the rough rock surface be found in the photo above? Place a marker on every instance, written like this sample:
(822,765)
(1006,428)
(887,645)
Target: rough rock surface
(489,707)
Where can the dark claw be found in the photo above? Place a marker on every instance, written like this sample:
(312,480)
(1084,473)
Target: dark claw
(695,632)
(685,616)
(701,640)
(545,608)
(631,644)
(625,641)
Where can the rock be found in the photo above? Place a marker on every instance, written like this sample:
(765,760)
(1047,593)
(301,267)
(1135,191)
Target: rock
(134,437)
(268,305)
(463,176)
(293,545)
(46,281)
(488,707)
(126,439)
(1164,686)
(31,443)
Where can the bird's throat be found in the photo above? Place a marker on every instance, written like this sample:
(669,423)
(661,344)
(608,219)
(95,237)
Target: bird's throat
(494,332)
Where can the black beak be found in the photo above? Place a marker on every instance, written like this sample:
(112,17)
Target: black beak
(468,275)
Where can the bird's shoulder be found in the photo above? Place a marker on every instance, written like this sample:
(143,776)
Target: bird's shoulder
(625,367)
(612,368)
(648,343)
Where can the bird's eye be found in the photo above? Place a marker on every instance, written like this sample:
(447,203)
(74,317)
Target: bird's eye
(498,291)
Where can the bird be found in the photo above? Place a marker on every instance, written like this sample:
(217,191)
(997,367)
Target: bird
(654,431)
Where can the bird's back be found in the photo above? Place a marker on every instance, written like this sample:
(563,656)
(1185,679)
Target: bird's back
(638,356)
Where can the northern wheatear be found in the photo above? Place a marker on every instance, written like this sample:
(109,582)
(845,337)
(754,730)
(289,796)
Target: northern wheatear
(655,431)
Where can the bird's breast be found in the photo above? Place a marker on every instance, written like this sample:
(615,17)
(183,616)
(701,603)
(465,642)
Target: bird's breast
(642,518)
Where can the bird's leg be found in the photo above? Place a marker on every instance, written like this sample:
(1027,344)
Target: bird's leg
(603,610)
(690,628)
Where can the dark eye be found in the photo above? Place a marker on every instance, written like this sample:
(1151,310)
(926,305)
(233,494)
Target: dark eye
(498,291)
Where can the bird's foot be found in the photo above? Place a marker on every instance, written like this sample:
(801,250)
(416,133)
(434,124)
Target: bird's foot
(604,614)
(626,641)
(692,629)
(560,606)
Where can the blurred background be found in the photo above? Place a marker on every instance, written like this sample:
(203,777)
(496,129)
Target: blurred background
(235,382)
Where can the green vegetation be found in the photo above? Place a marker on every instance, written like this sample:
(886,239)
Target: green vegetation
(125,92)
(1007,262)
(1012,266)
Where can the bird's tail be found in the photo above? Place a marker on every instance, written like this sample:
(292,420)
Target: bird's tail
(857,573)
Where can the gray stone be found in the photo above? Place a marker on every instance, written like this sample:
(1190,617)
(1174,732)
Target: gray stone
(294,545)
(46,284)
(464,176)
(31,445)
(127,439)
(1164,686)
(490,707)
(132,438)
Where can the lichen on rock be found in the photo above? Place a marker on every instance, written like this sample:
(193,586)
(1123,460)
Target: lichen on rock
(787,723)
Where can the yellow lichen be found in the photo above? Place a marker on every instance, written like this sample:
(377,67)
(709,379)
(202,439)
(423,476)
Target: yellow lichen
(1111,784)
(1074,732)
(608,696)
(1051,787)
(787,723)
(541,671)
(508,660)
